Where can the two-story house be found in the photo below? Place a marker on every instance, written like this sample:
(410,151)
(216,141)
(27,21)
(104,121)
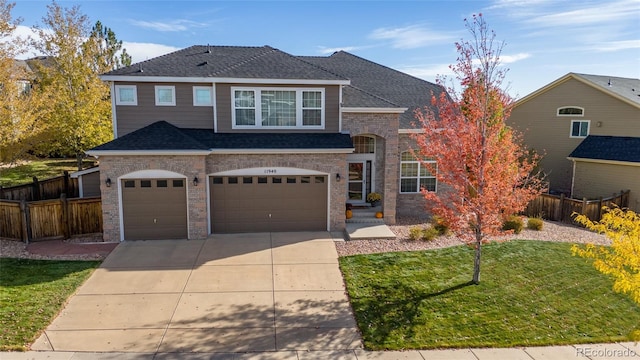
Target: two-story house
(587,127)
(219,139)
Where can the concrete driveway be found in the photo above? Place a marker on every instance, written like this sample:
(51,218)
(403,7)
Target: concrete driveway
(229,293)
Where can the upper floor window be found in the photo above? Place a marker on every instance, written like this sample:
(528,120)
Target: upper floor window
(364,144)
(165,95)
(570,111)
(415,174)
(202,96)
(277,108)
(579,128)
(126,95)
(24,87)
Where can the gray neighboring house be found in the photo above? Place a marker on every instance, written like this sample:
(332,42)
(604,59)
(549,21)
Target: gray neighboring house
(222,139)
(588,128)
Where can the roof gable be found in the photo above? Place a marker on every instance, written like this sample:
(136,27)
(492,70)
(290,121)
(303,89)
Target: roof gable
(624,89)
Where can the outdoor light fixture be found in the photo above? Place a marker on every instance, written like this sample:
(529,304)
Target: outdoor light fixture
(195,181)
(108,182)
(338,177)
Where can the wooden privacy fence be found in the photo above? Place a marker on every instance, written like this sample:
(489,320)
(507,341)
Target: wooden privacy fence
(561,208)
(51,188)
(49,219)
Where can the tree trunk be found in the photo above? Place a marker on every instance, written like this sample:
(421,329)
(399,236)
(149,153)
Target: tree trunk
(476,261)
(79,157)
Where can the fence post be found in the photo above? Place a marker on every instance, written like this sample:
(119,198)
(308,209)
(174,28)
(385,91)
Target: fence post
(584,207)
(65,215)
(36,189)
(25,221)
(66,182)
(599,213)
(1,192)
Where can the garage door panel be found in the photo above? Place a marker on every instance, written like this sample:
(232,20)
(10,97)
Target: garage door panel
(155,212)
(296,203)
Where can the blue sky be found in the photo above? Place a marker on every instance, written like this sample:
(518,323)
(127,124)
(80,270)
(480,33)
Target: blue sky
(545,39)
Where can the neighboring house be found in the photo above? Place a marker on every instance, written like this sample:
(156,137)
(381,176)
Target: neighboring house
(588,129)
(219,139)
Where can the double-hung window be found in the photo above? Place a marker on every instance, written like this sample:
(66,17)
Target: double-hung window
(165,95)
(278,108)
(416,175)
(126,95)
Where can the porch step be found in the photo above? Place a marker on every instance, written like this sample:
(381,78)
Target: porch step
(368,231)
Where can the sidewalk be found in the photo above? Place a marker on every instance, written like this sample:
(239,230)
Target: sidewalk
(613,351)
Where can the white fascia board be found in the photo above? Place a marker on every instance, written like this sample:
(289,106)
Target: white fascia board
(601,161)
(374,110)
(97,153)
(282,151)
(84,172)
(178,79)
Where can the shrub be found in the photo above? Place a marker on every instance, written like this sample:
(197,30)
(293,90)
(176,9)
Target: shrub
(430,233)
(415,233)
(440,225)
(514,223)
(535,224)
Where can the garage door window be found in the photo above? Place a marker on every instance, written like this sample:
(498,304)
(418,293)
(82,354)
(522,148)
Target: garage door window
(319,179)
(217,180)
(129,184)
(145,183)
(277,180)
(262,180)
(247,180)
(161,183)
(178,183)
(291,180)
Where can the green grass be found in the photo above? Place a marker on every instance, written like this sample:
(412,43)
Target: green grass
(32,292)
(530,293)
(42,169)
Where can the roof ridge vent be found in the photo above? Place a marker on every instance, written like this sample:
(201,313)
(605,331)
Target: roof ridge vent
(140,68)
(208,49)
(609,83)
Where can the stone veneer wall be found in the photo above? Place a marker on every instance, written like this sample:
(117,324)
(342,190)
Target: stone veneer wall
(331,164)
(385,126)
(114,167)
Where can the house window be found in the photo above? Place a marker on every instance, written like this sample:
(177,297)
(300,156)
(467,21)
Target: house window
(165,95)
(126,95)
(579,128)
(415,174)
(274,108)
(202,96)
(24,87)
(570,111)
(364,144)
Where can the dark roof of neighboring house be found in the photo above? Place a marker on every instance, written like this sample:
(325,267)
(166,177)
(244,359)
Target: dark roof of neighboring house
(394,86)
(163,136)
(228,62)
(614,148)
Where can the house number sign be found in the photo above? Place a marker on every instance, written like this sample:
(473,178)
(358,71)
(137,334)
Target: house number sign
(270,171)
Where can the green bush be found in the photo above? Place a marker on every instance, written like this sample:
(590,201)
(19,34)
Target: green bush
(415,233)
(514,223)
(535,224)
(430,233)
(440,225)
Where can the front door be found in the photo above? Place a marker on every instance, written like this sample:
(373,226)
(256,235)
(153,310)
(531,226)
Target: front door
(359,184)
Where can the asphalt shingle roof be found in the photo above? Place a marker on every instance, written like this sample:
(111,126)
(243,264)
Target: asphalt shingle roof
(626,87)
(614,148)
(163,136)
(394,86)
(228,62)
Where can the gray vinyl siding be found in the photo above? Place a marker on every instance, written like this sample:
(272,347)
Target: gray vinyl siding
(594,180)
(548,133)
(331,115)
(183,115)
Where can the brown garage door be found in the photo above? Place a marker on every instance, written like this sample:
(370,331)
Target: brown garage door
(154,209)
(268,203)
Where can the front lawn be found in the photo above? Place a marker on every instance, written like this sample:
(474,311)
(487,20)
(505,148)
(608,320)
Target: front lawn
(42,169)
(32,292)
(530,293)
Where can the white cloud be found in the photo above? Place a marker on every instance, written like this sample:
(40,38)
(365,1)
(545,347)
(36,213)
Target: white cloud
(430,71)
(508,59)
(171,26)
(616,45)
(411,37)
(607,13)
(144,51)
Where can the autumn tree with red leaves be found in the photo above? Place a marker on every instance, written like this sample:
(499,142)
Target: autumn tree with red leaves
(486,172)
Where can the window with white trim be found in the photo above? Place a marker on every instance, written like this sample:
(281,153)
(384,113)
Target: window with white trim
(126,95)
(579,128)
(277,108)
(202,96)
(165,95)
(415,174)
(570,111)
